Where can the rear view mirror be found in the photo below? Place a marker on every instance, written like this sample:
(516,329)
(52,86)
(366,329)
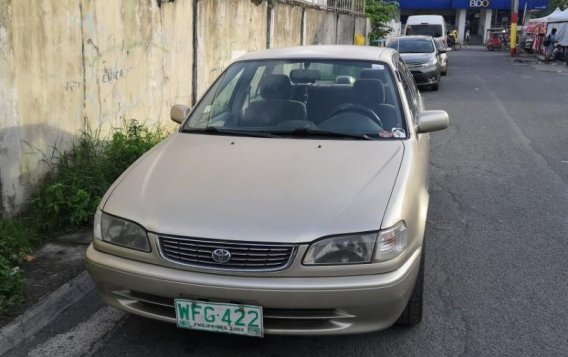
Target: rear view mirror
(179,113)
(432,120)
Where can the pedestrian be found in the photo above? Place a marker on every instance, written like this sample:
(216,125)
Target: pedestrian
(449,39)
(549,43)
(467,37)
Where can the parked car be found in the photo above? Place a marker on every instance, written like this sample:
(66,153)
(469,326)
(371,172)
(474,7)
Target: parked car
(443,53)
(292,200)
(427,25)
(420,55)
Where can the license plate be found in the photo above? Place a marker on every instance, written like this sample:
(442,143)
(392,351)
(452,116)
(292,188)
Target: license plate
(218,317)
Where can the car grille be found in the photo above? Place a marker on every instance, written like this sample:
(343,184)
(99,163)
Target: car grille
(243,255)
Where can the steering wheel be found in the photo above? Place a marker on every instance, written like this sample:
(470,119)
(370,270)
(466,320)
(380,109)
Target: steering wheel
(359,109)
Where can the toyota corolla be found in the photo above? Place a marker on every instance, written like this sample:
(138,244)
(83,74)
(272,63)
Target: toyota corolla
(292,200)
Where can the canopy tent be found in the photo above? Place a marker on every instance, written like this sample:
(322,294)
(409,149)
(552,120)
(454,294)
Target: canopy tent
(561,17)
(560,23)
(546,18)
(536,31)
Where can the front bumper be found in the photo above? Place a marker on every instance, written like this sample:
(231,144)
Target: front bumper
(292,305)
(424,76)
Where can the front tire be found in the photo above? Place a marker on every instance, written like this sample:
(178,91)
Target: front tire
(436,86)
(412,314)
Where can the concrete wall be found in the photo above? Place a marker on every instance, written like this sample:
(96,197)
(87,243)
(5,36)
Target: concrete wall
(320,27)
(67,65)
(286,25)
(345,29)
(226,30)
(361,26)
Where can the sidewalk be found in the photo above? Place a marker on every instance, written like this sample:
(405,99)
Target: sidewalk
(554,67)
(537,63)
(55,278)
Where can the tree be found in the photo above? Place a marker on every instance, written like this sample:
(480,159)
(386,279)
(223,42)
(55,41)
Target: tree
(553,4)
(380,13)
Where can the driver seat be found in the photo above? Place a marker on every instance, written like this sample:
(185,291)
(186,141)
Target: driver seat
(275,105)
(370,93)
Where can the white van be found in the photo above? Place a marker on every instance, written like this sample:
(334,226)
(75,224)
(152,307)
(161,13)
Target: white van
(429,25)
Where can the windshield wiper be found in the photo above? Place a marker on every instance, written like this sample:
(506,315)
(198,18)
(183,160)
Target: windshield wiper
(308,132)
(213,130)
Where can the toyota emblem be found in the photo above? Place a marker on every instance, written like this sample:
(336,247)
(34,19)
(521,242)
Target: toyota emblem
(221,256)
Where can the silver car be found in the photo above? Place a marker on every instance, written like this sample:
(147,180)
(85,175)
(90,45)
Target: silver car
(422,58)
(443,55)
(292,200)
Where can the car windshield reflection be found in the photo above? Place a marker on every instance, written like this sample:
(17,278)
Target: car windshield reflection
(302,99)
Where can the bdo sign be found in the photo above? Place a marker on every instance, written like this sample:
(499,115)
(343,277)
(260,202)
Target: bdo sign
(478,3)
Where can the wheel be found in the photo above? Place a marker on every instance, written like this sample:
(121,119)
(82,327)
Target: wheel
(436,86)
(457,46)
(445,72)
(412,314)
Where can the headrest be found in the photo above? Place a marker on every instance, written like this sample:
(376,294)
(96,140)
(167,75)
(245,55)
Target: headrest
(344,80)
(374,74)
(304,75)
(276,86)
(369,91)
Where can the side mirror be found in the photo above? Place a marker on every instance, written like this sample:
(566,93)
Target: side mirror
(179,113)
(432,120)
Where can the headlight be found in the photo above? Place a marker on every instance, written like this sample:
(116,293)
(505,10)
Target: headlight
(348,249)
(391,242)
(120,232)
(359,248)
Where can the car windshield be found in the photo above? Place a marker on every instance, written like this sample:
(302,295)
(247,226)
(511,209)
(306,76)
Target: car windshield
(409,45)
(324,99)
(424,29)
(439,45)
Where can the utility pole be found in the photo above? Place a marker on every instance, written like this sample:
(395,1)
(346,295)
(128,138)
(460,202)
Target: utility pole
(514,21)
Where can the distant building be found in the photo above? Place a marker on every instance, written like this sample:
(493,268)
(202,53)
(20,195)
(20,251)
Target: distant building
(475,15)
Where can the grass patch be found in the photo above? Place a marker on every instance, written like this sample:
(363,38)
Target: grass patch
(68,197)
(18,236)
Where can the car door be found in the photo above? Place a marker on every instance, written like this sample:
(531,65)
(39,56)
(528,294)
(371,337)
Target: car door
(419,146)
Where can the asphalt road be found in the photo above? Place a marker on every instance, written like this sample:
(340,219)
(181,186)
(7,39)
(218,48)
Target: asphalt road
(496,266)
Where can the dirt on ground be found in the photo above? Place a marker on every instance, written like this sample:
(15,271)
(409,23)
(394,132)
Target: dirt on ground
(48,268)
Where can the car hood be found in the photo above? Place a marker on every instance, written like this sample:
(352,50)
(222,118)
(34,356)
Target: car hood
(410,58)
(259,189)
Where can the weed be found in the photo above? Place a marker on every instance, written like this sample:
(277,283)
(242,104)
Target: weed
(17,238)
(79,177)
(69,195)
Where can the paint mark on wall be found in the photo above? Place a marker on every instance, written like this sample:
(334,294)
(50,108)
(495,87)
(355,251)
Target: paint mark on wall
(71,85)
(112,75)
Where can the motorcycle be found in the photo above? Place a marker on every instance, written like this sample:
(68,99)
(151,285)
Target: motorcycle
(494,44)
(497,39)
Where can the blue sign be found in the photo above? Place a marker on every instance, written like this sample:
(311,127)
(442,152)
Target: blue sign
(470,4)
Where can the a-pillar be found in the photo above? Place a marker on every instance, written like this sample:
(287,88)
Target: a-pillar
(460,23)
(486,16)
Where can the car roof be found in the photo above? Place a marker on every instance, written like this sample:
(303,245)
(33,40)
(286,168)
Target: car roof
(343,52)
(414,37)
(423,18)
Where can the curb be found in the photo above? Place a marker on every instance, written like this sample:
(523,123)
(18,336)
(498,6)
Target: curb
(45,311)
